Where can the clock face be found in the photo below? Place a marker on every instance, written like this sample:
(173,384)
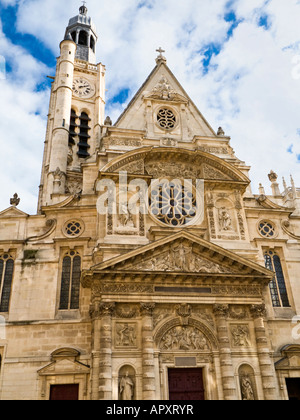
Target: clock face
(82,88)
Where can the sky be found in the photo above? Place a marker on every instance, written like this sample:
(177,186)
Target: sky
(239,61)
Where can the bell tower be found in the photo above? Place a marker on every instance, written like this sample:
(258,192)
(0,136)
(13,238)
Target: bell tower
(76,112)
(82,31)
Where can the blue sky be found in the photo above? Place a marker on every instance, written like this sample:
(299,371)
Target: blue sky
(239,61)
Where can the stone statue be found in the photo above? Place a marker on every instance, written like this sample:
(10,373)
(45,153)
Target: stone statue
(247,390)
(125,217)
(126,388)
(224,219)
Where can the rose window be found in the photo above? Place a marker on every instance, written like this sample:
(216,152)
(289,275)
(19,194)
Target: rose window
(266,229)
(73,228)
(173,204)
(166,119)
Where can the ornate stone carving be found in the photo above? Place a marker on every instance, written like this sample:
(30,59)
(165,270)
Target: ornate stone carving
(181,258)
(126,314)
(221,311)
(15,201)
(240,335)
(184,310)
(225,222)
(247,388)
(126,335)
(101,309)
(258,311)
(184,338)
(172,169)
(147,309)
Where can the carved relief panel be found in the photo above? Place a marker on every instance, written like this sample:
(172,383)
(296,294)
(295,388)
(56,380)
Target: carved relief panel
(225,217)
(126,335)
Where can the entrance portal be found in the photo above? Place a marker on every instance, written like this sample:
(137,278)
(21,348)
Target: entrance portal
(186,385)
(64,392)
(293,387)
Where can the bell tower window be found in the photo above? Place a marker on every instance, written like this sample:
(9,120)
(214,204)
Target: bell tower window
(84,136)
(73,125)
(83,38)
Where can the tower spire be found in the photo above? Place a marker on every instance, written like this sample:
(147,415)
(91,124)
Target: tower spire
(82,31)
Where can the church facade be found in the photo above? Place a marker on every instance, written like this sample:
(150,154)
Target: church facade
(150,271)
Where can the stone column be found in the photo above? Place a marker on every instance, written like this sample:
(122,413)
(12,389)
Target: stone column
(148,363)
(103,357)
(258,313)
(228,379)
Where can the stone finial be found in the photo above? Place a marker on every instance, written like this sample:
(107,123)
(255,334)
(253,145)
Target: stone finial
(261,190)
(160,57)
(15,201)
(108,121)
(275,186)
(221,132)
(273,176)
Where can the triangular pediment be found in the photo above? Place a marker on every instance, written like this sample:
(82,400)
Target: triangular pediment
(182,253)
(64,367)
(163,89)
(12,212)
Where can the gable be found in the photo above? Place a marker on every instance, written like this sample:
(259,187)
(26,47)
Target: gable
(162,90)
(182,253)
(12,212)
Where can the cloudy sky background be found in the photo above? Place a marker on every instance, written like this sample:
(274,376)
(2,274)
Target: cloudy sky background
(239,60)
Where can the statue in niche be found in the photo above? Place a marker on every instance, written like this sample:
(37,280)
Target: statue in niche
(247,389)
(225,219)
(125,217)
(126,389)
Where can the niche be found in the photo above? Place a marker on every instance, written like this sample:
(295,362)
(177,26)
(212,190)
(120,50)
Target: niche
(127,384)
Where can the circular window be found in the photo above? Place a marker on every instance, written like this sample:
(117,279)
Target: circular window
(73,228)
(266,229)
(166,119)
(173,204)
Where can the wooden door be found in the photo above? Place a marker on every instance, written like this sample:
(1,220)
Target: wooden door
(186,385)
(64,392)
(293,387)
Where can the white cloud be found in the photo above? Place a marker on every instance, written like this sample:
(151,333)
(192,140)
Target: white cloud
(249,89)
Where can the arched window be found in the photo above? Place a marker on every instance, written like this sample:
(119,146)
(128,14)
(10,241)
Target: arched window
(92,43)
(83,38)
(73,125)
(70,281)
(277,286)
(6,277)
(73,35)
(83,145)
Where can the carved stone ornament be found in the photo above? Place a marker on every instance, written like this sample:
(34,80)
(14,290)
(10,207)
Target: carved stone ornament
(15,201)
(101,309)
(221,311)
(164,91)
(182,259)
(240,335)
(258,311)
(184,338)
(184,310)
(147,309)
(126,335)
